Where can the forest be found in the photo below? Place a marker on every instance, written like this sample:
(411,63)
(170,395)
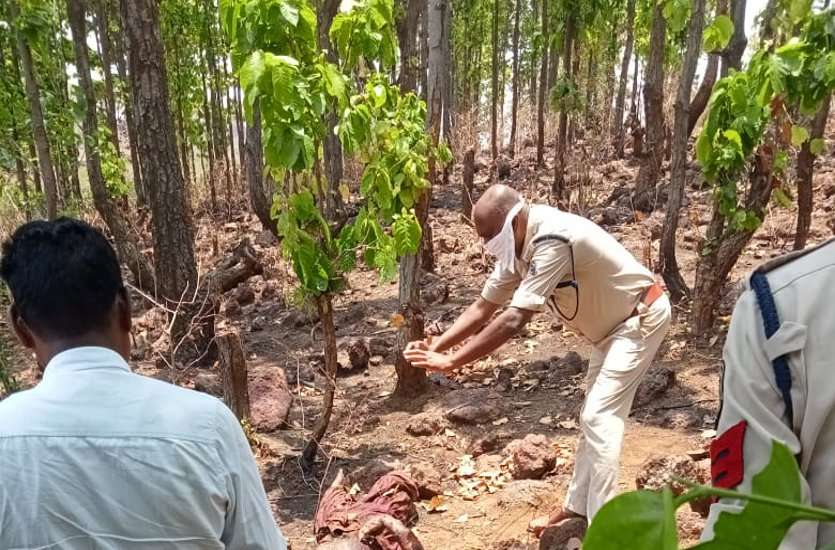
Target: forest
(288,185)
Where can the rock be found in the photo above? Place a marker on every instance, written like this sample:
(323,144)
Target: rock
(690,525)
(470,406)
(559,536)
(367,475)
(654,385)
(375,360)
(503,167)
(436,293)
(428,479)
(232,308)
(377,345)
(258,324)
(487,443)
(655,225)
(208,382)
(428,423)
(266,239)
(524,491)
(358,355)
(681,420)
(614,215)
(658,472)
(270,399)
(531,457)
(572,363)
(244,294)
(298,319)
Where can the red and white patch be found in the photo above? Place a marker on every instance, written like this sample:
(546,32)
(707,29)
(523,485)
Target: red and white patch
(727,464)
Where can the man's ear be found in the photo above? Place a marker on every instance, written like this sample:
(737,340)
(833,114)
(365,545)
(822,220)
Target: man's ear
(123,311)
(21,329)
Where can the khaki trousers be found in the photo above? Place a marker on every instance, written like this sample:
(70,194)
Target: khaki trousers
(616,366)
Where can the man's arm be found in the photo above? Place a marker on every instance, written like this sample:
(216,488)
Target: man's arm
(467,324)
(752,414)
(249,520)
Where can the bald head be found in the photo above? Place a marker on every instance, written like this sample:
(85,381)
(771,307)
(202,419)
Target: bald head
(490,211)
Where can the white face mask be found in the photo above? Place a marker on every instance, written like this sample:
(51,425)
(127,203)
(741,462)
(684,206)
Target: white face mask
(503,245)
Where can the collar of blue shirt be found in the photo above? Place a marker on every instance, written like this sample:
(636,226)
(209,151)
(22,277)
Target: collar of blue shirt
(85,358)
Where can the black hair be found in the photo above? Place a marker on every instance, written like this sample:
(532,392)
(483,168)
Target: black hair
(63,276)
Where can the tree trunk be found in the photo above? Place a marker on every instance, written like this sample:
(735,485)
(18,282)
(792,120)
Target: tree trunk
(107,63)
(558,186)
(543,87)
(723,246)
(617,128)
(494,117)
(127,245)
(553,51)
(805,170)
(36,116)
(233,373)
(136,168)
(534,94)
(644,196)
(324,304)
(515,105)
(407,31)
(258,198)
(633,107)
(239,126)
(331,146)
(699,103)
(216,108)
(173,233)
(210,144)
(591,86)
(667,254)
(467,179)
(230,121)
(732,56)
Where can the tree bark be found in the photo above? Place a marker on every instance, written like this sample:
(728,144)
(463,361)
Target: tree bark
(515,104)
(331,146)
(136,168)
(732,56)
(558,186)
(47,171)
(617,128)
(173,233)
(494,117)
(543,87)
(633,107)
(467,179)
(233,373)
(258,198)
(699,103)
(324,304)
(644,196)
(805,170)
(107,63)
(591,86)
(127,245)
(667,253)
(407,30)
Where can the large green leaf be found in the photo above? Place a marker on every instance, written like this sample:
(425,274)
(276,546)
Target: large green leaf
(640,520)
(799,135)
(718,34)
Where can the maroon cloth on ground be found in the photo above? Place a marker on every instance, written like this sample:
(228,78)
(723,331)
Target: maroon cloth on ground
(339,513)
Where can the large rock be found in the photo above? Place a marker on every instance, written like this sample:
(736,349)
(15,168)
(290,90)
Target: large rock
(358,355)
(659,471)
(654,385)
(428,479)
(531,457)
(208,382)
(244,294)
(488,443)
(563,535)
(428,423)
(270,399)
(373,470)
(470,406)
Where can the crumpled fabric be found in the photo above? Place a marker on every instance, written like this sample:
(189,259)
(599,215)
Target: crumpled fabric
(341,514)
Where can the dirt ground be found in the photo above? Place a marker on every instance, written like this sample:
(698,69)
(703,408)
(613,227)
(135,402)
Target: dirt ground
(524,381)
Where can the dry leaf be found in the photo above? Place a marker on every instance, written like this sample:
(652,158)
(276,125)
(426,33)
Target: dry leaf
(396,320)
(436,504)
(500,421)
(344,191)
(546,420)
(354,490)
(463,518)
(449,433)
(466,467)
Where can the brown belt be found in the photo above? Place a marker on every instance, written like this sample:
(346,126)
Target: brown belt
(650,296)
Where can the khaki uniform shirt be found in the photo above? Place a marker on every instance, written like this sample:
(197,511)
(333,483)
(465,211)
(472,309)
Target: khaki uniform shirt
(803,286)
(610,281)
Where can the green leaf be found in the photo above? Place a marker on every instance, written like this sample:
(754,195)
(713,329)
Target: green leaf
(406,231)
(782,198)
(798,9)
(718,34)
(799,135)
(638,520)
(379,95)
(289,12)
(817,146)
(703,148)
(334,81)
(733,137)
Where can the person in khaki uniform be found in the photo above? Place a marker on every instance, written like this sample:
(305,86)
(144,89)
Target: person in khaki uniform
(781,387)
(549,259)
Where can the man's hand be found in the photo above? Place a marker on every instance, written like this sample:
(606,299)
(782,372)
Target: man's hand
(418,345)
(429,360)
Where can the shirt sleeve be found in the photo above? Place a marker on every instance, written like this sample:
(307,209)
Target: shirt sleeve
(249,520)
(753,408)
(499,287)
(548,266)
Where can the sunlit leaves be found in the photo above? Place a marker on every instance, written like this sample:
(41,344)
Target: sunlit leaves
(800,135)
(717,35)
(366,33)
(817,146)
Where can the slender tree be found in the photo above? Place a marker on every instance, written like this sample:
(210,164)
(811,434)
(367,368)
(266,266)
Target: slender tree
(558,186)
(805,164)
(494,116)
(103,33)
(543,87)
(47,172)
(678,173)
(515,105)
(617,128)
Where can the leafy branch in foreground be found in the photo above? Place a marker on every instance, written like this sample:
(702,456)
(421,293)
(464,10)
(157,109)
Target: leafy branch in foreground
(645,520)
